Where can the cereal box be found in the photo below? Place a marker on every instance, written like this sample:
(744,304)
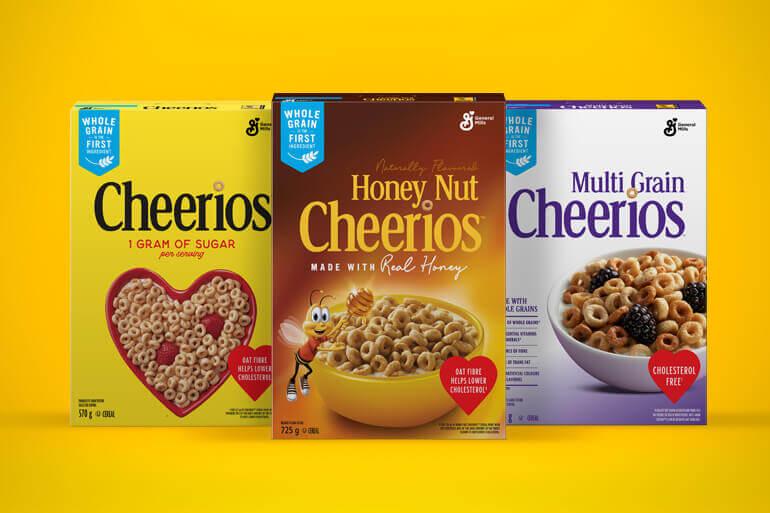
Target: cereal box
(170,264)
(606,301)
(388,264)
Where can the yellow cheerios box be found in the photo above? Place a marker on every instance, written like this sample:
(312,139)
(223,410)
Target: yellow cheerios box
(170,263)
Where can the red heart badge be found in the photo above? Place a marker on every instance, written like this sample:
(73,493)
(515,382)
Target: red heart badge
(118,306)
(468,382)
(252,369)
(674,373)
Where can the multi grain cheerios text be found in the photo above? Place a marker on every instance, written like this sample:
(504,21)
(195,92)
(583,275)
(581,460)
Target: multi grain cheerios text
(638,305)
(398,339)
(181,347)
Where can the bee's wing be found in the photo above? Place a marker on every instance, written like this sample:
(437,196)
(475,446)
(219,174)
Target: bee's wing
(290,333)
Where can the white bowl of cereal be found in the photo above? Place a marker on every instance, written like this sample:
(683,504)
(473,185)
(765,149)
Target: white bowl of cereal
(361,383)
(589,313)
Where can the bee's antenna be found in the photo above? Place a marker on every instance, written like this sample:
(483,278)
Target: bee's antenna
(322,299)
(313,292)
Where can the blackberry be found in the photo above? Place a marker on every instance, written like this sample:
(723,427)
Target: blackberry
(640,324)
(602,276)
(695,294)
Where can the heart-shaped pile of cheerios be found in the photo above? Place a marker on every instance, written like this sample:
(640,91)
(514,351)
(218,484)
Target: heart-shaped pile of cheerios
(178,342)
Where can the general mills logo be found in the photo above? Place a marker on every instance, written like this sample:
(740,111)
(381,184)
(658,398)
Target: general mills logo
(670,129)
(466,125)
(253,128)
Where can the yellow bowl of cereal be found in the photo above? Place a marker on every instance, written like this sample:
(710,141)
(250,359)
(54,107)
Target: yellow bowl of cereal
(589,324)
(387,375)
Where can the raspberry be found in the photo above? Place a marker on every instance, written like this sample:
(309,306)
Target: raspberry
(213,324)
(695,295)
(166,353)
(640,324)
(602,276)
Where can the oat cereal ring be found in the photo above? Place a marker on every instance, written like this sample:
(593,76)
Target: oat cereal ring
(426,361)
(432,335)
(363,370)
(595,267)
(581,332)
(369,350)
(645,262)
(592,301)
(385,344)
(645,296)
(667,326)
(613,302)
(700,319)
(581,279)
(659,309)
(618,315)
(372,332)
(680,311)
(356,338)
(698,263)
(617,336)
(615,263)
(572,317)
(579,298)
(645,277)
(639,350)
(664,284)
(627,279)
(569,291)
(453,337)
(690,274)
(690,333)
(666,261)
(675,296)
(464,347)
(597,339)
(666,342)
(378,363)
(391,368)
(449,351)
(336,358)
(346,366)
(353,356)
(407,360)
(595,315)
(630,266)
(614,285)
(403,344)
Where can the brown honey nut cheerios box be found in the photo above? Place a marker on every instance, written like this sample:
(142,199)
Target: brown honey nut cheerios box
(388,266)
(170,264)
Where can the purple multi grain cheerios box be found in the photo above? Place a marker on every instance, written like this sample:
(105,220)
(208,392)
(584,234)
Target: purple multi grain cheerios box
(606,273)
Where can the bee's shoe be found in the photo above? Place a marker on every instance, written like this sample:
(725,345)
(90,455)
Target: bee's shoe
(304,385)
(291,392)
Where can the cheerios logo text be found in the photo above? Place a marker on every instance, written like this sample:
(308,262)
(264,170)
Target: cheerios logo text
(326,226)
(639,211)
(118,207)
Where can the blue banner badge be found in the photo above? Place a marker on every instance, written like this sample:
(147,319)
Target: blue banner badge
(302,134)
(520,140)
(99,140)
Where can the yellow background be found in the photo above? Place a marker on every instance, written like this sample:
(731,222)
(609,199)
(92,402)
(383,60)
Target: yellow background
(53,53)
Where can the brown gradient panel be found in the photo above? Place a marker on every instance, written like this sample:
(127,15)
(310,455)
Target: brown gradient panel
(357,136)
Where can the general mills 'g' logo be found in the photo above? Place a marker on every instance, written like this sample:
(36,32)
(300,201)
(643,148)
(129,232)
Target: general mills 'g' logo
(466,125)
(253,128)
(670,129)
